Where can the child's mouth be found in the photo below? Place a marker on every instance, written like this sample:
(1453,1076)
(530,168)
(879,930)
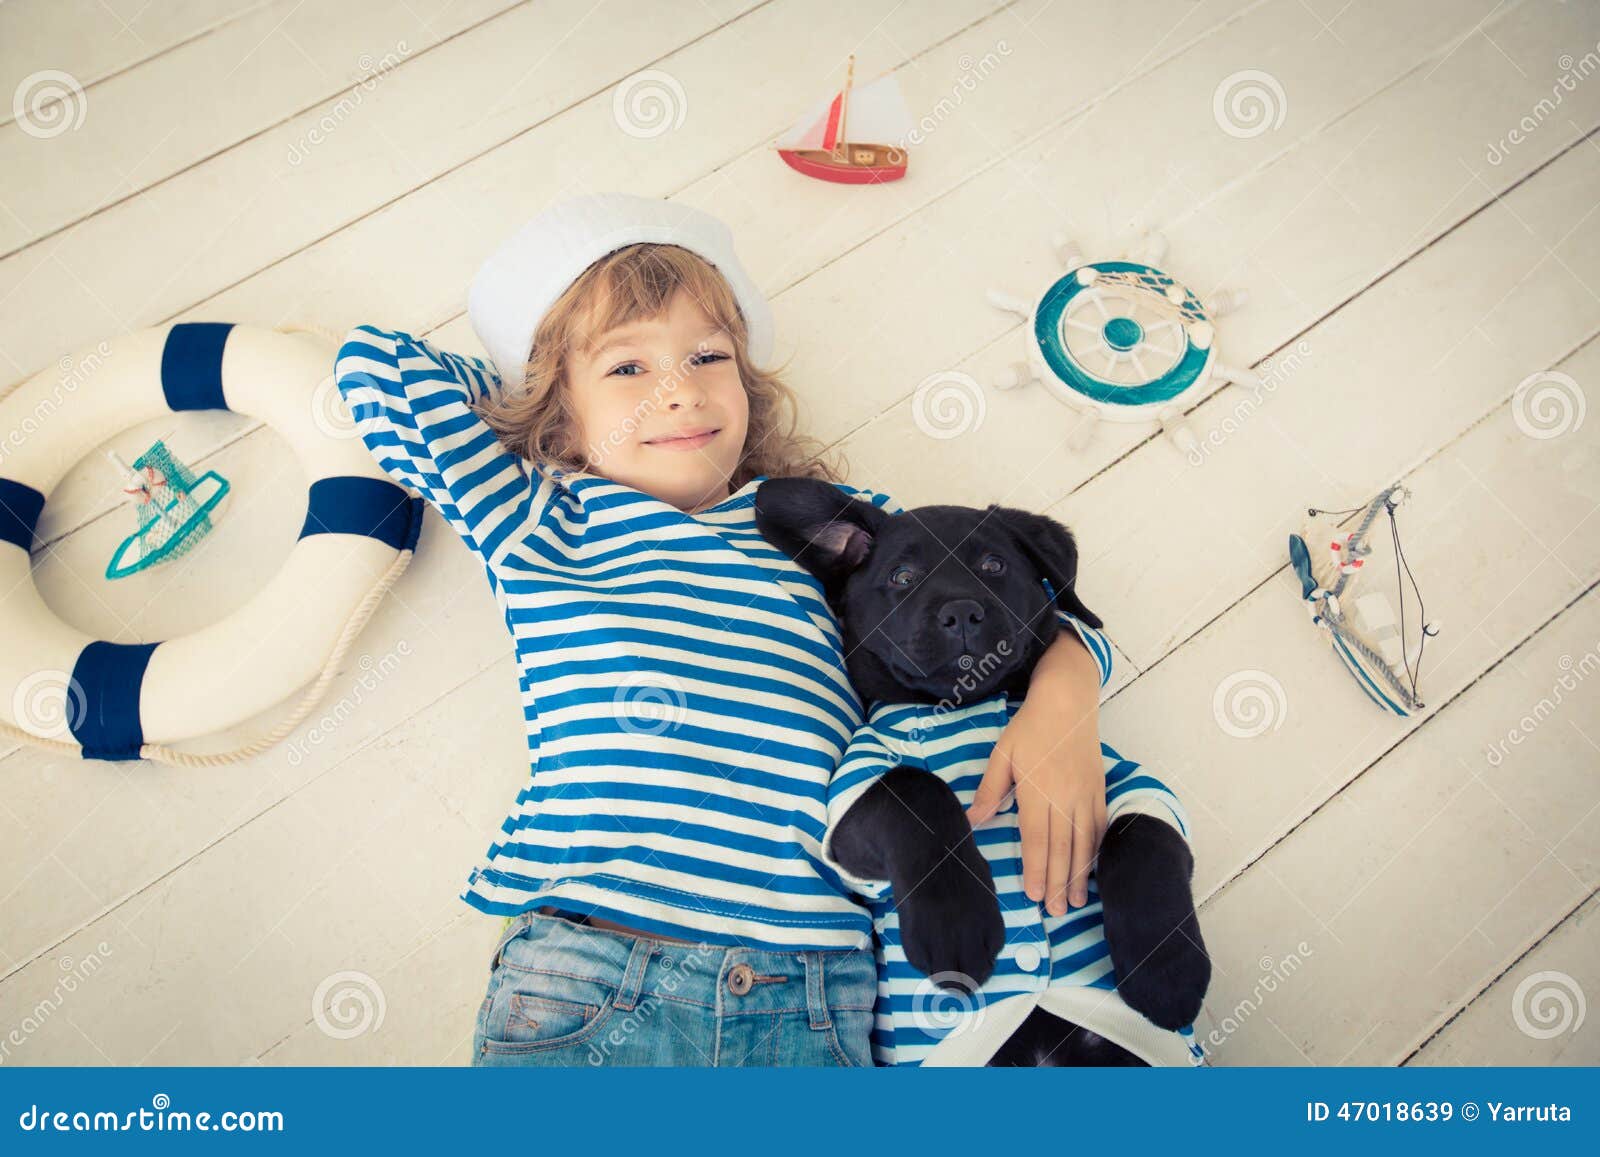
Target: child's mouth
(694,442)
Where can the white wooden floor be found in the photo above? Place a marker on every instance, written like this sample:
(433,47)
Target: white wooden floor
(1376,891)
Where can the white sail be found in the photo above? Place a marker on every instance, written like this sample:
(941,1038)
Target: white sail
(876,114)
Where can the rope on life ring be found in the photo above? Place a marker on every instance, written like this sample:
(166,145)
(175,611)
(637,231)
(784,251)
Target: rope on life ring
(163,753)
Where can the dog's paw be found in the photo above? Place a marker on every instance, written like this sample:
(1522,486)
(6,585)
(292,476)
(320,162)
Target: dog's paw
(1161,973)
(950,923)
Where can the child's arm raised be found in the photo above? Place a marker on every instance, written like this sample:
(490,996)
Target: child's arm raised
(412,406)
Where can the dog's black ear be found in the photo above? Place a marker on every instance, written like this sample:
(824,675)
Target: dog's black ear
(818,525)
(1051,548)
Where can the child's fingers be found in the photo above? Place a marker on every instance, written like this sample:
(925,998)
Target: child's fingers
(1082,859)
(1033,818)
(1060,868)
(992,788)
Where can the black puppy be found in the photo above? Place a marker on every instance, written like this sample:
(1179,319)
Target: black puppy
(945,604)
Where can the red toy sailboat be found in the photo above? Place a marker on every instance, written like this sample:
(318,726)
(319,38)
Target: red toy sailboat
(876,112)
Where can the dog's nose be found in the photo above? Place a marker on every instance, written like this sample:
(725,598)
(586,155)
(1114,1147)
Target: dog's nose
(957,615)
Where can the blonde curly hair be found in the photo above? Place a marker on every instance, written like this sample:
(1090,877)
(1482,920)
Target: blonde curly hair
(630,284)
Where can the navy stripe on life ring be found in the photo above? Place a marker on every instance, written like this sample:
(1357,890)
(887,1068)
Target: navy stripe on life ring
(110,675)
(191,365)
(20,507)
(374,507)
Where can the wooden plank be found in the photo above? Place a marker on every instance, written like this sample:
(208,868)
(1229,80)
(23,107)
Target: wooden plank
(1535,1012)
(221,222)
(1437,868)
(143,125)
(90,40)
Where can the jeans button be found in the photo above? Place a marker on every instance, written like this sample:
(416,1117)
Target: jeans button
(740,978)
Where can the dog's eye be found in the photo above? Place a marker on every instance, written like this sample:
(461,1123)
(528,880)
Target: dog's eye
(901,576)
(992,564)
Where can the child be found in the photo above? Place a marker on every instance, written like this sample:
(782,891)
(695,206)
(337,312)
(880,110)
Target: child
(683,690)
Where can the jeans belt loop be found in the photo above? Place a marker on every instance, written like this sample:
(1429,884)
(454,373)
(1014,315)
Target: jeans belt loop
(816,998)
(633,975)
(519,924)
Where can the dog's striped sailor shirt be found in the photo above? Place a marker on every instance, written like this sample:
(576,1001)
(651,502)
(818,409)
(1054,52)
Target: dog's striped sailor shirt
(1059,963)
(682,682)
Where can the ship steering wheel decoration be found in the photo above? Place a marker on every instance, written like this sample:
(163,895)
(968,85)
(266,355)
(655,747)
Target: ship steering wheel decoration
(1122,340)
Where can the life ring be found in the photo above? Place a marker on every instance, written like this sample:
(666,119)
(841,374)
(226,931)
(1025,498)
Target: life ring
(61,689)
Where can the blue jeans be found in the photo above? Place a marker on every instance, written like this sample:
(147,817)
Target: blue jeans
(565,993)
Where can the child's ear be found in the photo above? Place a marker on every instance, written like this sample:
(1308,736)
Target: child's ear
(818,525)
(1052,549)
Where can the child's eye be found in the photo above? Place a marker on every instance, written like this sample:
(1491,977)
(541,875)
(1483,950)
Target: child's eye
(700,359)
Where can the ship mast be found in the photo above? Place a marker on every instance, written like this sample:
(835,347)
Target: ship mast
(844,108)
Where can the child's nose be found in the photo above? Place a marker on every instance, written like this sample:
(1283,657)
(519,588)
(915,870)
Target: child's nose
(686,392)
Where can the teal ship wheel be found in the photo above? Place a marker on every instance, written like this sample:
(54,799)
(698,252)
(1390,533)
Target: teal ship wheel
(1123,334)
(1122,340)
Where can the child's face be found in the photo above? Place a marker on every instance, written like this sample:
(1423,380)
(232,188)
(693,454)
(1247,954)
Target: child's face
(650,381)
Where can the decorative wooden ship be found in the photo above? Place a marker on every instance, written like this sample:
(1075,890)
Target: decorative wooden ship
(842,139)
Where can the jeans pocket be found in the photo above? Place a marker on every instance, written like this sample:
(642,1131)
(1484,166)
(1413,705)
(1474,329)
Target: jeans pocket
(534,1012)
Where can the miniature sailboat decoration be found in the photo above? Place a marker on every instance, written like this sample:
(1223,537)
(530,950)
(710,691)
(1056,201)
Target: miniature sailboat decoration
(175,509)
(855,138)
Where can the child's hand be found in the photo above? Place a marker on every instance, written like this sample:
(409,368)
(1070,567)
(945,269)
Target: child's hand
(1050,755)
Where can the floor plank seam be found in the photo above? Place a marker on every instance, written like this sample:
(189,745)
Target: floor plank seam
(1422,725)
(244,140)
(1527,951)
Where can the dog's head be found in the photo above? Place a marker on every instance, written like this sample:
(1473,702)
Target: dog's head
(939,603)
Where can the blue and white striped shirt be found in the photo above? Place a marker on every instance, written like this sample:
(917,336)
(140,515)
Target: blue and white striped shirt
(683,685)
(1060,963)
